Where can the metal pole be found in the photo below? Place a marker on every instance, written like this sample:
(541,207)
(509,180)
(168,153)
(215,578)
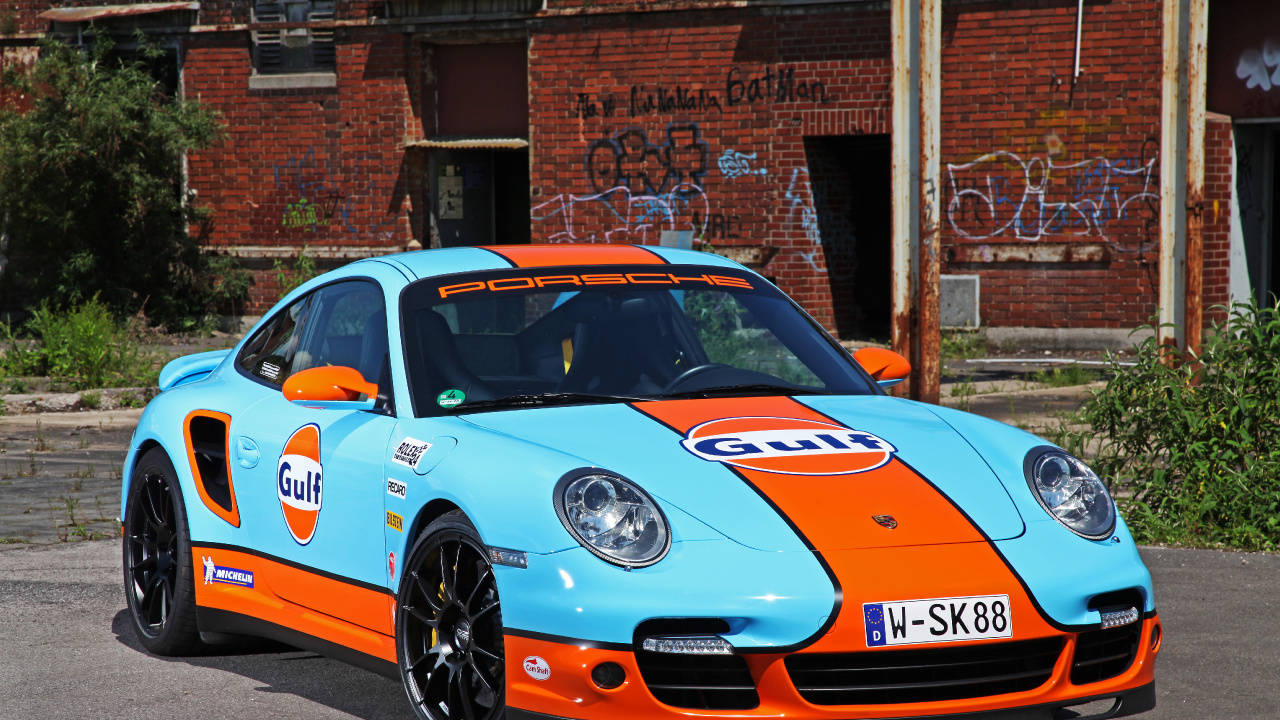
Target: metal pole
(1170,114)
(929,376)
(901,91)
(1197,40)
(1079,29)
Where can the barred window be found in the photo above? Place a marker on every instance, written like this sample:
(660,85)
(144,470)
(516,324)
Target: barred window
(293,49)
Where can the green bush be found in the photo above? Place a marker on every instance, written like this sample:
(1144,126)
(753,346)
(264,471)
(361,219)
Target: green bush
(1192,444)
(85,347)
(91,187)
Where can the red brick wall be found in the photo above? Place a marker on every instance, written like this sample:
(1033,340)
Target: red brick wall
(1218,191)
(320,166)
(1031,158)
(664,121)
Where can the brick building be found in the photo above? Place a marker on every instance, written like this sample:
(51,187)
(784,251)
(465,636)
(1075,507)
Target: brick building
(759,128)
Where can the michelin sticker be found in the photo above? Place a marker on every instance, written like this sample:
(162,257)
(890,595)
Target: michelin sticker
(396,488)
(214,573)
(410,452)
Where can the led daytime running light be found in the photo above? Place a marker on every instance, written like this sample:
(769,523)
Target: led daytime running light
(704,645)
(1119,617)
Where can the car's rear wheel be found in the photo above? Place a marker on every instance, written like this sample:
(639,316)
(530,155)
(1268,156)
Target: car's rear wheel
(449,625)
(159,582)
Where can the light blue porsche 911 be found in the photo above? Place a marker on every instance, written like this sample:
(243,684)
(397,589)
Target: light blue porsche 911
(613,481)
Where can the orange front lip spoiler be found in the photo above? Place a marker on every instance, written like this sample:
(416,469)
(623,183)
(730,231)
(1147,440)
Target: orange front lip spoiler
(568,691)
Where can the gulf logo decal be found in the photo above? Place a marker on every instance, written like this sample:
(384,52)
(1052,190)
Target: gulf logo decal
(788,446)
(300,483)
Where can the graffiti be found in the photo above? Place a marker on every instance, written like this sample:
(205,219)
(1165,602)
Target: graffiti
(1255,66)
(322,200)
(779,88)
(811,203)
(800,199)
(628,217)
(629,160)
(774,85)
(304,215)
(668,101)
(587,109)
(717,226)
(1000,194)
(735,164)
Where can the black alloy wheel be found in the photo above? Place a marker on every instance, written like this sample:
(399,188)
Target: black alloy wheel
(158,577)
(449,625)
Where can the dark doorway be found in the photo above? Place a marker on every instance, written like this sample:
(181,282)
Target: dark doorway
(480,197)
(849,178)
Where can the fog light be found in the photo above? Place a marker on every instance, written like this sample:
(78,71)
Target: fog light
(608,675)
(692,645)
(1155,637)
(1116,618)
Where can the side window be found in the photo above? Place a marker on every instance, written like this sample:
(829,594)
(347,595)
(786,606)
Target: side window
(270,352)
(347,325)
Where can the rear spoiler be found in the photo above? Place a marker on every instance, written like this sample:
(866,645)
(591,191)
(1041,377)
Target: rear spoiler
(190,368)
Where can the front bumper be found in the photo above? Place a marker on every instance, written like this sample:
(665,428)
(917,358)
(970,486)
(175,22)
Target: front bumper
(568,691)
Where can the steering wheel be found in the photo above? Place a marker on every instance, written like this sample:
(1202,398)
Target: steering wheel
(691,373)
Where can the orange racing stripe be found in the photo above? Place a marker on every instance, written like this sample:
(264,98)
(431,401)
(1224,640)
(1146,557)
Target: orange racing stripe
(552,254)
(371,608)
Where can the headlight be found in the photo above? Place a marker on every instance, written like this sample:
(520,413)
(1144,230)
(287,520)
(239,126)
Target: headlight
(1071,492)
(612,518)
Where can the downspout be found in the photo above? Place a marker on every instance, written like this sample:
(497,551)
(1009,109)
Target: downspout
(1079,32)
(1196,84)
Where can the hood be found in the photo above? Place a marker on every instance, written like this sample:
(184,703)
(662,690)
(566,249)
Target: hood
(784,474)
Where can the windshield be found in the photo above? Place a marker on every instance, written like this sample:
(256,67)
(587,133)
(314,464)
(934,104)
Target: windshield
(537,336)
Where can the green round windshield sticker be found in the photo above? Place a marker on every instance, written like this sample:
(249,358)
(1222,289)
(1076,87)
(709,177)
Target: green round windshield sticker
(451,398)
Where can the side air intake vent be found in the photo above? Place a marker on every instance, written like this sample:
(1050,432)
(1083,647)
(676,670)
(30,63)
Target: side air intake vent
(207,453)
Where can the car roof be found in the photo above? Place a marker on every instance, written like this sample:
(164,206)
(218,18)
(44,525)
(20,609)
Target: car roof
(431,263)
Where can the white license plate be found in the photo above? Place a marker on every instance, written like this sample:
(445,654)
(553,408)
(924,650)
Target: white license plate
(911,622)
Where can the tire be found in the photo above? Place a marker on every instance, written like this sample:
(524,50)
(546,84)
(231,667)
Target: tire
(159,580)
(449,625)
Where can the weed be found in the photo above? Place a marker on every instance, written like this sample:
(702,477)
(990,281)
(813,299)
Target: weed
(42,442)
(963,344)
(17,386)
(9,23)
(289,277)
(1191,443)
(1067,376)
(84,442)
(91,399)
(88,472)
(12,541)
(131,401)
(964,391)
(30,470)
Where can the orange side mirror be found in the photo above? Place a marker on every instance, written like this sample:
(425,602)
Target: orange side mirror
(334,382)
(886,366)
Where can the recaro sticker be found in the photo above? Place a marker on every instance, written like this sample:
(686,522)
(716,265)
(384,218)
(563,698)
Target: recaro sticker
(397,488)
(300,483)
(537,668)
(410,452)
(788,446)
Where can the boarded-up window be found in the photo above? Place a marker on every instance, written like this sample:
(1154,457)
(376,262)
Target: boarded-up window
(482,90)
(295,49)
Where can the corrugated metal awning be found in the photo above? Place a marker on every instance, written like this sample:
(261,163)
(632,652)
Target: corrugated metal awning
(102,12)
(471,143)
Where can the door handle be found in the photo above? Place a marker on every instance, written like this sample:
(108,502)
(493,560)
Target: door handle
(247,452)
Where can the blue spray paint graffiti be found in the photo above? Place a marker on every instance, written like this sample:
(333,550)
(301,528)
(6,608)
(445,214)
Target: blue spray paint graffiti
(316,199)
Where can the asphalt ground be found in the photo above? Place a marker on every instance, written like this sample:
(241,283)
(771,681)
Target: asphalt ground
(69,650)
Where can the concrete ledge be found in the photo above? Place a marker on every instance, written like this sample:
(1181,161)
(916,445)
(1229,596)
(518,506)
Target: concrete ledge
(294,81)
(1097,339)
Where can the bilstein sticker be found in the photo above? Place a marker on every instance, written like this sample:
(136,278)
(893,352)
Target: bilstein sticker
(395,522)
(410,452)
(537,668)
(788,446)
(300,483)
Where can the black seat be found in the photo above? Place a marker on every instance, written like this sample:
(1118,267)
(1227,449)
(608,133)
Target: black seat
(373,347)
(443,365)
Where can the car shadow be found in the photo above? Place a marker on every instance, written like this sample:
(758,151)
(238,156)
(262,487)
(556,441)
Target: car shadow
(284,669)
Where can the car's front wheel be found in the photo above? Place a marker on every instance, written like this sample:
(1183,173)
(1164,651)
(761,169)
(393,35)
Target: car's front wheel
(449,625)
(159,581)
